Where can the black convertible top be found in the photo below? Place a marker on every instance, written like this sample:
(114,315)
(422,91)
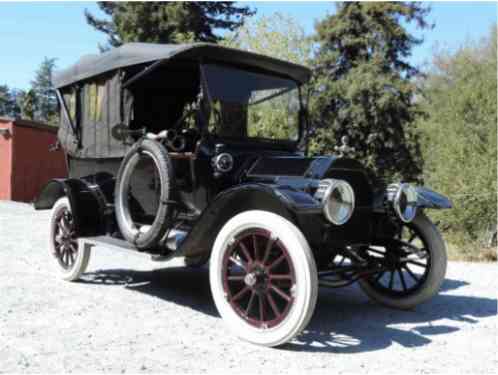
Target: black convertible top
(138,53)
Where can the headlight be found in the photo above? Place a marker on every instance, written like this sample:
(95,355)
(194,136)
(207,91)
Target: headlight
(404,201)
(337,197)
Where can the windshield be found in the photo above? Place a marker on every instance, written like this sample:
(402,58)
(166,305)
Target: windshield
(251,105)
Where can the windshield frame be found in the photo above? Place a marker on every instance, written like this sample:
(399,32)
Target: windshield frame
(301,117)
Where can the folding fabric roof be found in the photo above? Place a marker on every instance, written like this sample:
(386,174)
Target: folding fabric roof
(139,53)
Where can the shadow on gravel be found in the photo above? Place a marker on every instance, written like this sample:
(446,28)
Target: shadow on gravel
(344,320)
(185,286)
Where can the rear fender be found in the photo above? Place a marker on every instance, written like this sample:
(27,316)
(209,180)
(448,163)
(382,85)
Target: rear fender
(88,197)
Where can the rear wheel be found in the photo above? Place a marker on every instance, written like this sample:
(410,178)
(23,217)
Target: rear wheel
(415,266)
(263,278)
(70,260)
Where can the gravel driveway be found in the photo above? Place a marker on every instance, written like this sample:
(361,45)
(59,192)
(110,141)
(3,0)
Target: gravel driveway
(133,315)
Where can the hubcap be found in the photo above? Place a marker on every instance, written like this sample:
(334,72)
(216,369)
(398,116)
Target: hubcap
(259,278)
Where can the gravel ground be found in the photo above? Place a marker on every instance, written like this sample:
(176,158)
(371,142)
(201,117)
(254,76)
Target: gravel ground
(133,315)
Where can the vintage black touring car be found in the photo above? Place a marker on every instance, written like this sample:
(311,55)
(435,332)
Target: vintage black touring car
(199,151)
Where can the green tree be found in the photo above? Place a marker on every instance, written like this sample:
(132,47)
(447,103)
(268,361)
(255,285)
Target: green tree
(29,104)
(8,102)
(278,35)
(365,86)
(167,22)
(459,137)
(282,37)
(46,100)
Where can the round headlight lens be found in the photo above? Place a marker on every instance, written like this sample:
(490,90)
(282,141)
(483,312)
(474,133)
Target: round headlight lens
(338,202)
(405,203)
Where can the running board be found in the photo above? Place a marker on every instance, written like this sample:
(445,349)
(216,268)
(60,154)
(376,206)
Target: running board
(124,246)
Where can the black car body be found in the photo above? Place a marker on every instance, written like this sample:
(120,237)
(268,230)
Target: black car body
(116,100)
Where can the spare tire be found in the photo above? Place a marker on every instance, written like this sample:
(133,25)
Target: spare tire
(151,159)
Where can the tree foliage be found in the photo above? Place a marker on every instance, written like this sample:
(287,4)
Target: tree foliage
(29,103)
(278,35)
(459,142)
(282,37)
(45,105)
(9,102)
(38,103)
(365,85)
(167,22)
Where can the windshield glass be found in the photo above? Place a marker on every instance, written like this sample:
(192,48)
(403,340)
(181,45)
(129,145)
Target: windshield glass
(251,105)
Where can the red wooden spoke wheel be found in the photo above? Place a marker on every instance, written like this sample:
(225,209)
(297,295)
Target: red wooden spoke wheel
(263,277)
(64,241)
(71,259)
(258,278)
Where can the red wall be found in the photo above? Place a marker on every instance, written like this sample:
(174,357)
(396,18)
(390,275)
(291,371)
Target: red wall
(5,161)
(32,164)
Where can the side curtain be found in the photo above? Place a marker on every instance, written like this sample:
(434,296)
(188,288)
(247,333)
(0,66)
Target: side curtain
(99,111)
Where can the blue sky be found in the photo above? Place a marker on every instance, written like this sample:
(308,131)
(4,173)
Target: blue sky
(30,31)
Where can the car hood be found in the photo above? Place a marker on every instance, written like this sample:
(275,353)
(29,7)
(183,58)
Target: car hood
(303,174)
(279,168)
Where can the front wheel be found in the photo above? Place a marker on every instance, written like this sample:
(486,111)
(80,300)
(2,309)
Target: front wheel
(70,260)
(263,278)
(414,266)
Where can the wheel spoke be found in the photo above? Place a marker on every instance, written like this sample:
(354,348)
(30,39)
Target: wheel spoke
(273,305)
(377,278)
(250,303)
(413,276)
(281,277)
(269,246)
(375,251)
(238,262)
(277,261)
(402,278)
(240,294)
(235,278)
(280,292)
(64,256)
(261,308)
(420,264)
(255,246)
(246,252)
(71,256)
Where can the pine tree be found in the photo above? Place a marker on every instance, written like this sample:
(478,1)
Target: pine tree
(365,87)
(8,102)
(46,100)
(29,104)
(167,22)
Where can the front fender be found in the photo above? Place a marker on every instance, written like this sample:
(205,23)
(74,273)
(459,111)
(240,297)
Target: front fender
(430,199)
(284,201)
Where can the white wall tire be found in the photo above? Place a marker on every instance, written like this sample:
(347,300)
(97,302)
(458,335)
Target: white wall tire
(429,285)
(68,259)
(287,242)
